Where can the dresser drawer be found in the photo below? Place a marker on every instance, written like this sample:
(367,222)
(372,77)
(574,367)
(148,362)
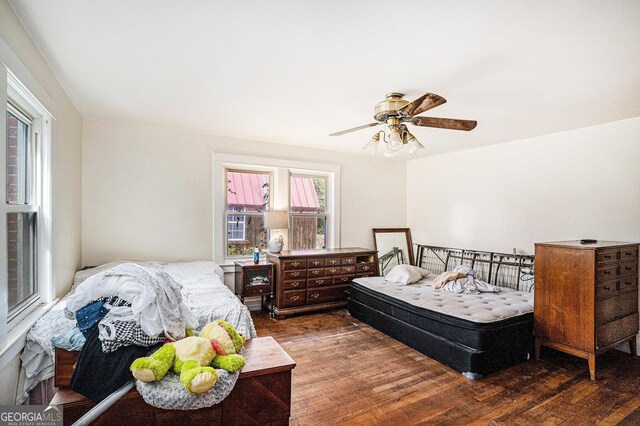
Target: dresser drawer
(330,294)
(294,264)
(365,267)
(343,279)
(628,268)
(295,274)
(316,272)
(350,260)
(629,254)
(294,298)
(348,269)
(615,331)
(628,284)
(332,261)
(607,289)
(332,270)
(315,263)
(616,307)
(294,284)
(607,272)
(317,282)
(607,256)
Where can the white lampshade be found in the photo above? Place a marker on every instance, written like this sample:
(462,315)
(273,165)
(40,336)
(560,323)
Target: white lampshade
(414,145)
(276,219)
(372,145)
(395,140)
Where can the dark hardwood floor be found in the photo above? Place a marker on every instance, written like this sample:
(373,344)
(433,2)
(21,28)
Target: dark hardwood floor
(350,373)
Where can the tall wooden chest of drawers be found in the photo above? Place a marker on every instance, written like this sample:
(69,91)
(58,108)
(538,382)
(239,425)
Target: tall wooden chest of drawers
(313,280)
(586,297)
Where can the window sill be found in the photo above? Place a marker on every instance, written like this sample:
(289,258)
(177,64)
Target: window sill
(11,347)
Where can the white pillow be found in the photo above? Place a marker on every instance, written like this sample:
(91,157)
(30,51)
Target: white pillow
(406,274)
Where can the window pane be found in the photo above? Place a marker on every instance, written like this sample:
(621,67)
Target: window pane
(235,227)
(247,191)
(308,194)
(245,232)
(17,141)
(308,232)
(21,231)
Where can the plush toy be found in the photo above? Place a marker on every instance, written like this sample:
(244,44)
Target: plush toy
(195,357)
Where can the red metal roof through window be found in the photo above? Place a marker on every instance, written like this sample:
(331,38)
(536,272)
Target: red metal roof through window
(303,195)
(246,189)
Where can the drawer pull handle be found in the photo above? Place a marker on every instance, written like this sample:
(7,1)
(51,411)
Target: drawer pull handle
(606,256)
(606,272)
(343,279)
(296,297)
(295,274)
(295,263)
(346,291)
(349,260)
(315,295)
(315,272)
(296,284)
(319,281)
(607,288)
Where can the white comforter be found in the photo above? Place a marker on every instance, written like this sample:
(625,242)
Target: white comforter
(203,291)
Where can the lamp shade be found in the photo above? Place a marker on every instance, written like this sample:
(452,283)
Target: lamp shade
(276,219)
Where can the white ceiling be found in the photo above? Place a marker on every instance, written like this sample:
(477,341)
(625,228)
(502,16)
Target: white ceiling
(294,71)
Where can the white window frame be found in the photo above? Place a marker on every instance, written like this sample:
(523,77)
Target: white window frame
(280,169)
(13,91)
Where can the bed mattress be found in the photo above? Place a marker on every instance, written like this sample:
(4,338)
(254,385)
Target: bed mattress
(475,334)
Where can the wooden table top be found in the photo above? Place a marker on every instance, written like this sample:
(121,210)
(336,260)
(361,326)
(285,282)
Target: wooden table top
(265,356)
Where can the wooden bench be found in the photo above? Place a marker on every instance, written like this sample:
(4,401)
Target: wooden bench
(262,394)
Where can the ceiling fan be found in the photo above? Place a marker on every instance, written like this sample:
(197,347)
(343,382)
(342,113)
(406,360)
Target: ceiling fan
(394,111)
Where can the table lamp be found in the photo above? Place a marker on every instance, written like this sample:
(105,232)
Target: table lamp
(276,220)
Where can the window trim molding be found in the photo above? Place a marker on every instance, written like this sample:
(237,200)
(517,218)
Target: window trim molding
(12,90)
(281,169)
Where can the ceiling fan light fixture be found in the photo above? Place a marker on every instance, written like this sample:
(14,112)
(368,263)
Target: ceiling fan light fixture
(395,140)
(414,145)
(372,145)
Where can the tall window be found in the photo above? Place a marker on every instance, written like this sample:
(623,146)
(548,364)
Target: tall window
(309,213)
(22,210)
(248,196)
(25,204)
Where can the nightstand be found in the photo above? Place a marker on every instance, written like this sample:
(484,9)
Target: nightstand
(254,279)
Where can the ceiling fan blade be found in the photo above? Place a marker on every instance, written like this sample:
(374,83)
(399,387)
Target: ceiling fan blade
(423,103)
(445,123)
(354,129)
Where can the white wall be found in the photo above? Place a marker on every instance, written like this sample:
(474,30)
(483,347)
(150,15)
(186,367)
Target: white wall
(26,62)
(582,183)
(147,192)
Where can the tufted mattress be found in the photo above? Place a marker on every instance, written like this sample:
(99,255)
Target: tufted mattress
(475,334)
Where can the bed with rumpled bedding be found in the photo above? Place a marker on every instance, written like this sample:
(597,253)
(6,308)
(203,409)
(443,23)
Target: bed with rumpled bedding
(203,291)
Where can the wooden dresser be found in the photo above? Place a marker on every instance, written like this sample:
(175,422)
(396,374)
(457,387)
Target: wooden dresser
(586,297)
(313,280)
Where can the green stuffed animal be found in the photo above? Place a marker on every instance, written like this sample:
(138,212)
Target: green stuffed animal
(195,357)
